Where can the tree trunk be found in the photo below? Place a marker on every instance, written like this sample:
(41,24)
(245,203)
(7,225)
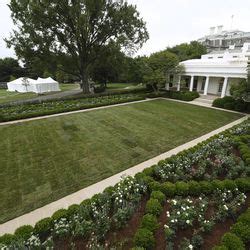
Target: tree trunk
(85,82)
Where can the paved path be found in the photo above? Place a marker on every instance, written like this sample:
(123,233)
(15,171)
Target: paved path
(110,106)
(78,197)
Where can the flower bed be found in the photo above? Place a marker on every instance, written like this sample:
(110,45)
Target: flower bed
(156,210)
(16,112)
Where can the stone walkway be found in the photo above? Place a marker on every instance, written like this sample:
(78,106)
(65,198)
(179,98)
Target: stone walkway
(77,197)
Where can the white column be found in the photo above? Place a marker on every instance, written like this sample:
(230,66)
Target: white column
(167,86)
(191,83)
(224,88)
(179,83)
(206,85)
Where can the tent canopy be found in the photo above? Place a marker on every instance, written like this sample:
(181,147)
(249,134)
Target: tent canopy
(41,85)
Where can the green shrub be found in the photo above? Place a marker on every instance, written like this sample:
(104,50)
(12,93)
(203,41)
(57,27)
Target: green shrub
(242,230)
(72,210)
(43,226)
(229,102)
(229,184)
(245,217)
(144,238)
(154,186)
(220,248)
(149,221)
(61,213)
(154,207)
(168,189)
(7,239)
(232,242)
(149,171)
(158,195)
(24,232)
(243,184)
(182,188)
(194,188)
(205,187)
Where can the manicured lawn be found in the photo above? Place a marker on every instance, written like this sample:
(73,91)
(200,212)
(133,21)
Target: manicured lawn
(6,96)
(44,160)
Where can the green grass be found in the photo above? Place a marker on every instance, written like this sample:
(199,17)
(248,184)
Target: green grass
(45,160)
(6,96)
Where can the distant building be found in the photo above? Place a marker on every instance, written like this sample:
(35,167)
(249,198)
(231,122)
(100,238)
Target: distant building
(220,39)
(215,72)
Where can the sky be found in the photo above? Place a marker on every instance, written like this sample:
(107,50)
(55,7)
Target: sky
(169,22)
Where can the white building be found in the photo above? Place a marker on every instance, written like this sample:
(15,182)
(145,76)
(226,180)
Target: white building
(219,39)
(215,72)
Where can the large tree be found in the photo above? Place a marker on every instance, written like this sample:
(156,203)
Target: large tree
(80,29)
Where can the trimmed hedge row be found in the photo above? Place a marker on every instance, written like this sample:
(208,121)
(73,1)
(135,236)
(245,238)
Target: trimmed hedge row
(11,113)
(230,103)
(243,145)
(179,95)
(239,234)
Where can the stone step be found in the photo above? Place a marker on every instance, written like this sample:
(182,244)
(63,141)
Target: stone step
(204,100)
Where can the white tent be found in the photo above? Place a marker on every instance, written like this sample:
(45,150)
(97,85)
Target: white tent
(46,85)
(41,85)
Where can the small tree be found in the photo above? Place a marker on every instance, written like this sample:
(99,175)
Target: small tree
(157,67)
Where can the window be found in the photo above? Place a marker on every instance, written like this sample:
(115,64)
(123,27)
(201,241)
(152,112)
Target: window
(210,57)
(221,85)
(220,56)
(235,56)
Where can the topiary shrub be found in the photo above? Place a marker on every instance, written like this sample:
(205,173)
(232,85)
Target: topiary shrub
(43,227)
(194,188)
(243,184)
(229,184)
(7,239)
(242,230)
(144,238)
(72,210)
(154,185)
(220,248)
(154,207)
(61,213)
(168,189)
(24,232)
(182,188)
(206,187)
(245,217)
(232,242)
(158,195)
(149,221)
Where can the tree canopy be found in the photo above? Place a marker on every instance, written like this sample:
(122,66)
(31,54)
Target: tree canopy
(158,66)
(9,68)
(74,32)
(186,51)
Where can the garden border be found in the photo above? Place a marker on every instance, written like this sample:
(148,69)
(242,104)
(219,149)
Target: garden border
(77,197)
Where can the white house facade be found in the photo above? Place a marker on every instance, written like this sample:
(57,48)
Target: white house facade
(215,72)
